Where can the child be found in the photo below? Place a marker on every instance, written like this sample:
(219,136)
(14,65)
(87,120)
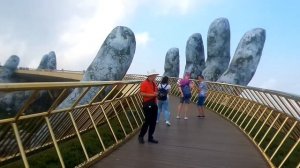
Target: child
(202,89)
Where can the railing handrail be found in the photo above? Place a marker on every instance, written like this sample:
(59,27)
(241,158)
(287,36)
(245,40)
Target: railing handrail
(247,107)
(55,85)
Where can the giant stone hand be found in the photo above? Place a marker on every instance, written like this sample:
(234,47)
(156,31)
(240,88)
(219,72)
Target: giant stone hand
(244,62)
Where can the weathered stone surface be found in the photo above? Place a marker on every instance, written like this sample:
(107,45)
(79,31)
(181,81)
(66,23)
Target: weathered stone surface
(48,61)
(246,58)
(9,68)
(172,63)
(218,49)
(195,61)
(111,62)
(12,102)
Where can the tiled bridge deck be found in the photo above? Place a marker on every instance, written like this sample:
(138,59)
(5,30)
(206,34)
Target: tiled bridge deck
(209,143)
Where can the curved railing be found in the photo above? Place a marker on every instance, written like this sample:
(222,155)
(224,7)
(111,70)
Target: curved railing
(71,136)
(270,119)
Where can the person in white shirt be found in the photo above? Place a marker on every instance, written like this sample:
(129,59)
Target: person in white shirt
(202,90)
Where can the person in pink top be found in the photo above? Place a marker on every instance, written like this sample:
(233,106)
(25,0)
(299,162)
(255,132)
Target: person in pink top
(185,86)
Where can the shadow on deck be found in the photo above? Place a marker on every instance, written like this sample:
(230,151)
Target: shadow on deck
(210,143)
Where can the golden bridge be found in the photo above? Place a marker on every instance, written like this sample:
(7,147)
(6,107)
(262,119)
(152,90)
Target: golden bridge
(244,126)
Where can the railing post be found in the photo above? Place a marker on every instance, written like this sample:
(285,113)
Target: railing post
(19,141)
(54,142)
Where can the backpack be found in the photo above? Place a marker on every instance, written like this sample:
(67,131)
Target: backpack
(162,93)
(186,90)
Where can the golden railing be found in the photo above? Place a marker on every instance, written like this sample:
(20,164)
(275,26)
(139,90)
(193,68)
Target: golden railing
(28,131)
(270,119)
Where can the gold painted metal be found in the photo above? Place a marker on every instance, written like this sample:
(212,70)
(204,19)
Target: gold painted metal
(257,120)
(289,153)
(89,116)
(95,127)
(233,108)
(218,102)
(238,110)
(252,118)
(26,105)
(231,103)
(277,132)
(55,103)
(139,105)
(136,110)
(213,99)
(240,126)
(79,136)
(19,141)
(271,126)
(54,142)
(80,97)
(124,111)
(224,102)
(285,137)
(137,123)
(97,94)
(271,112)
(118,118)
(108,122)
(79,118)
(242,113)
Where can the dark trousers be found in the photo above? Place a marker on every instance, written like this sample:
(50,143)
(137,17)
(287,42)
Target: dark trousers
(150,112)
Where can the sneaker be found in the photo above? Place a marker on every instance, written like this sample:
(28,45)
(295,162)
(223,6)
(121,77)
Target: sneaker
(153,141)
(177,117)
(141,140)
(185,118)
(168,123)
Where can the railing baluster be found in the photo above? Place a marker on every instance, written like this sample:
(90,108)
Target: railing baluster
(277,132)
(54,142)
(118,118)
(242,112)
(285,137)
(124,111)
(263,124)
(289,153)
(19,141)
(271,126)
(95,127)
(108,122)
(257,121)
(246,116)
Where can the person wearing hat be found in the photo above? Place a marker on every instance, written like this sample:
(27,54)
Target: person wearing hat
(148,90)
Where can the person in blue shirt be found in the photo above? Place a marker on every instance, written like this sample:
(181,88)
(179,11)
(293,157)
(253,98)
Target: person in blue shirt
(202,90)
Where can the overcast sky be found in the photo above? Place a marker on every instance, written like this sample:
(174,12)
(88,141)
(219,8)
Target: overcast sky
(75,30)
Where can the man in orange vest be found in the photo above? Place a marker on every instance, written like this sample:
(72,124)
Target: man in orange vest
(148,91)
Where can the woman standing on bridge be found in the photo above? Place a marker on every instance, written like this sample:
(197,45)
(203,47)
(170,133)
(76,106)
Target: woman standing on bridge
(185,86)
(163,100)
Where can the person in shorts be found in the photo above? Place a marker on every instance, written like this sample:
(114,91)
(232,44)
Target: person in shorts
(185,86)
(202,93)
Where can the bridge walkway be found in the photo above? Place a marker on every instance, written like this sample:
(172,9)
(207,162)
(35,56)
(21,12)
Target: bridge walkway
(212,142)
